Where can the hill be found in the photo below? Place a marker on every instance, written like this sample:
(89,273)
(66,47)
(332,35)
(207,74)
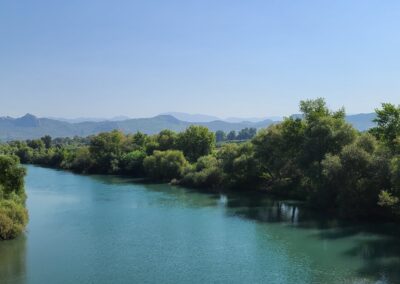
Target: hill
(30,126)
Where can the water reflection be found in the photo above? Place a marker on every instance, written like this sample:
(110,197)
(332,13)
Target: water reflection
(13,260)
(375,246)
(283,239)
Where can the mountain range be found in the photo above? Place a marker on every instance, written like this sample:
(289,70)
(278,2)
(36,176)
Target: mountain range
(30,126)
(208,118)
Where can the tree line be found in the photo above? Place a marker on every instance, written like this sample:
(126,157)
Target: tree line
(317,157)
(244,134)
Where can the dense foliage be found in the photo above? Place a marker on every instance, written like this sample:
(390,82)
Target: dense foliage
(244,134)
(316,157)
(13,215)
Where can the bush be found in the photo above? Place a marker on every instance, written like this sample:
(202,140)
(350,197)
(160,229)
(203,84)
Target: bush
(11,176)
(13,219)
(165,165)
(239,165)
(78,160)
(196,141)
(206,173)
(13,215)
(132,163)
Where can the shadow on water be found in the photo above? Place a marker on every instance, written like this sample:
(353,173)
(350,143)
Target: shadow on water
(13,260)
(382,256)
(378,245)
(112,180)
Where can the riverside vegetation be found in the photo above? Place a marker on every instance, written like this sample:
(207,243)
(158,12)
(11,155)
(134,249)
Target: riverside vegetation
(13,215)
(318,158)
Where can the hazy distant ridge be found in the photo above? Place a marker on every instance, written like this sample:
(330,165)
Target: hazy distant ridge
(30,126)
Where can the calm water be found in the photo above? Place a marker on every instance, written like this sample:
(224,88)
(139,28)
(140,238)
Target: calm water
(112,230)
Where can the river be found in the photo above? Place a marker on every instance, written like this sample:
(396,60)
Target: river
(105,229)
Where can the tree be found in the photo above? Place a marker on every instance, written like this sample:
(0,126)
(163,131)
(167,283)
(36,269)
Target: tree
(205,174)
(11,177)
(246,133)
(220,136)
(325,132)
(314,109)
(132,163)
(390,198)
(139,139)
(106,150)
(239,165)
(388,126)
(25,153)
(13,219)
(81,160)
(47,141)
(151,145)
(354,179)
(13,215)
(196,141)
(36,144)
(165,165)
(278,149)
(166,140)
(231,135)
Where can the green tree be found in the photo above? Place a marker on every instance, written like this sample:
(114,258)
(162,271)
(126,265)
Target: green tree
(278,149)
(37,144)
(388,126)
(231,135)
(47,141)
(354,179)
(239,165)
(205,174)
(165,165)
(11,177)
(13,219)
(25,153)
(325,132)
(106,150)
(13,215)
(80,160)
(132,163)
(246,133)
(196,141)
(220,136)
(167,140)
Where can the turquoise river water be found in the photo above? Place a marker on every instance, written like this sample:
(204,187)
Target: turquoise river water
(104,229)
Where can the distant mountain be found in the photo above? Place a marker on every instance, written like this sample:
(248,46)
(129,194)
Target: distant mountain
(192,117)
(362,121)
(87,119)
(30,126)
(208,118)
(253,119)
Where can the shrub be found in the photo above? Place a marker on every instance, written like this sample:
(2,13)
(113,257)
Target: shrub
(13,219)
(165,165)
(206,173)
(132,163)
(196,141)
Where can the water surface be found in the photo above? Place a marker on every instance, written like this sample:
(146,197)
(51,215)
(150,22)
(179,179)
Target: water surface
(112,230)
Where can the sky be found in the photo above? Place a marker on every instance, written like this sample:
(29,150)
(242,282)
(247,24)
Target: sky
(96,58)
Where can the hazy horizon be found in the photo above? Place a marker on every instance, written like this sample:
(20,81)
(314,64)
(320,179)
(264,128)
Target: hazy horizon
(172,113)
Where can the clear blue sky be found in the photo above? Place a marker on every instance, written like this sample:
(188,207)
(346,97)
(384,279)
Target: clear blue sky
(221,57)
